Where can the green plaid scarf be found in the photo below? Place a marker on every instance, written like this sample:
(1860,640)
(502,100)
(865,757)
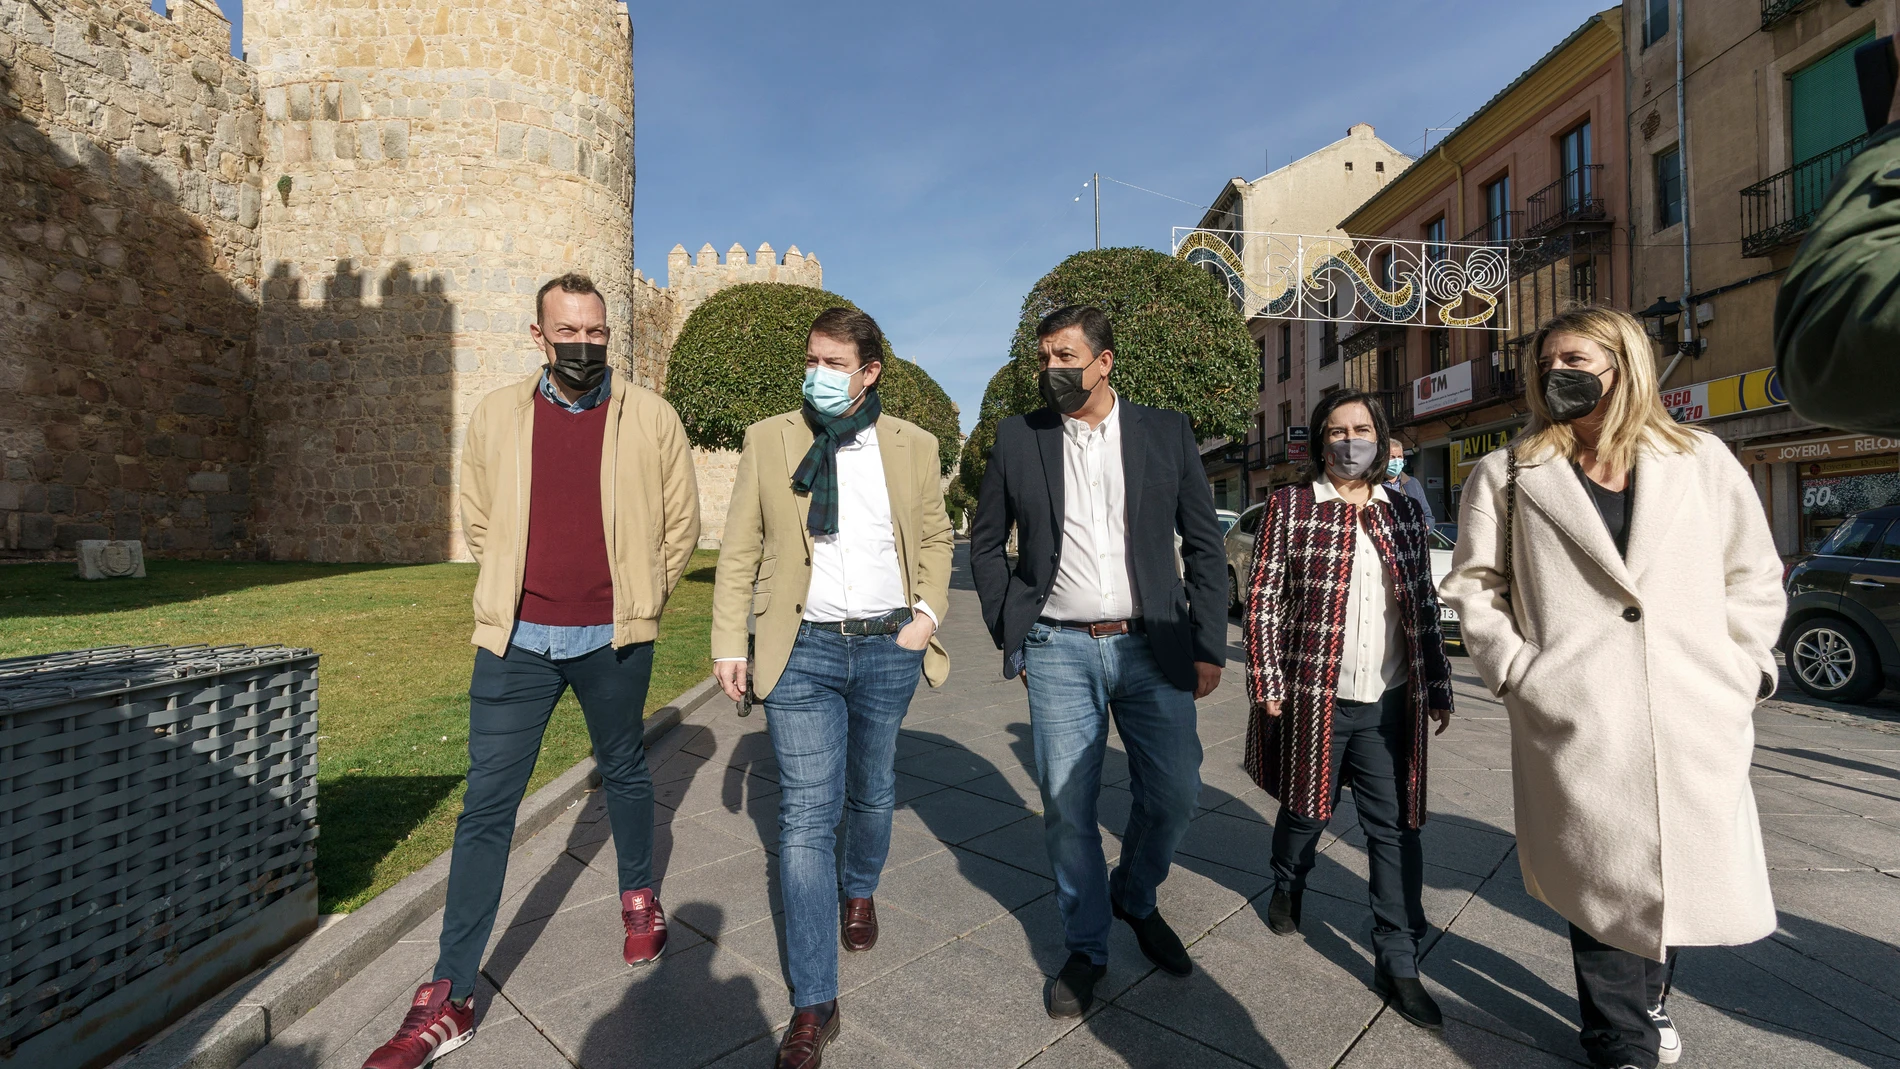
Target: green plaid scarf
(817,474)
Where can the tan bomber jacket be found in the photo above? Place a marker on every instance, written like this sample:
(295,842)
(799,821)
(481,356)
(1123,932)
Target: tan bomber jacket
(649,503)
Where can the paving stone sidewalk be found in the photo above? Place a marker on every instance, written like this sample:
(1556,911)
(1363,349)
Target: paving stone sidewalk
(970,937)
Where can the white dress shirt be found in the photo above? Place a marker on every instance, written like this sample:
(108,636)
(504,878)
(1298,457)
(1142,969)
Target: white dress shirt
(1093,581)
(855,573)
(1372,655)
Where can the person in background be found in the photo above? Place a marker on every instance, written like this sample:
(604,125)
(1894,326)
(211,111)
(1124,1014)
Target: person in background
(1408,485)
(837,542)
(1094,614)
(1619,589)
(1837,324)
(1345,667)
(574,570)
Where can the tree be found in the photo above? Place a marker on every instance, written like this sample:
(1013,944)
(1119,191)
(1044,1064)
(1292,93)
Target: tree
(741,358)
(1179,344)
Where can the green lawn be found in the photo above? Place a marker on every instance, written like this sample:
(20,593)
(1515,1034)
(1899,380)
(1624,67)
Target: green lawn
(393,683)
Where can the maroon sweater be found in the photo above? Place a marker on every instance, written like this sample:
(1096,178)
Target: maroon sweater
(566,582)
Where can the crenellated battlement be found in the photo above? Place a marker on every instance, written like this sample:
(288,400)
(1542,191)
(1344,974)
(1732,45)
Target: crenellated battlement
(684,272)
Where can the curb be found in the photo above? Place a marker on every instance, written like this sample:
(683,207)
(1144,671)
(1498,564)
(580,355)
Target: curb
(222,1033)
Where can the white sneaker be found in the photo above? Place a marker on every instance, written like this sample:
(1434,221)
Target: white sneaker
(1670,1047)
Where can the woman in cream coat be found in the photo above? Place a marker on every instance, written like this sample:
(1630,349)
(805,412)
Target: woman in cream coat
(1630,634)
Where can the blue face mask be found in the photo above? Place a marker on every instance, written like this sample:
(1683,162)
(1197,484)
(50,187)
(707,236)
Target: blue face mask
(1395,467)
(828,391)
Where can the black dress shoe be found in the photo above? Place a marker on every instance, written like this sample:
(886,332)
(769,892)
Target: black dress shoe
(1074,990)
(1283,913)
(1408,997)
(1158,941)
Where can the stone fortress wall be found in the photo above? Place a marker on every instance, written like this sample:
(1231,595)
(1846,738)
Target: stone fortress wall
(443,161)
(250,304)
(131,159)
(689,282)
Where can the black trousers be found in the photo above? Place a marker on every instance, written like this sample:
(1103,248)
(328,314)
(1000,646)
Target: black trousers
(509,702)
(1369,744)
(1616,990)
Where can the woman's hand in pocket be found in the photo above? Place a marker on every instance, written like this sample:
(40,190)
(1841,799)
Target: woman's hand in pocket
(916,634)
(1271,709)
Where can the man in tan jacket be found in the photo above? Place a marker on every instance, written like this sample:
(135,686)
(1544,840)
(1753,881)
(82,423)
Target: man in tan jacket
(578,502)
(838,547)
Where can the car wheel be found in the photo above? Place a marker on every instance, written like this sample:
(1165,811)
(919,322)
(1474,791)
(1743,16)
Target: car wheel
(1831,660)
(1236,601)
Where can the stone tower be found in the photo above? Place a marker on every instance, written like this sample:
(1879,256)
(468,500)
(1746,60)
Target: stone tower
(427,166)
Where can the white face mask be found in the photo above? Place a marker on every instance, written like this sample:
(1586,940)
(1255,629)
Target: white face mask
(829,391)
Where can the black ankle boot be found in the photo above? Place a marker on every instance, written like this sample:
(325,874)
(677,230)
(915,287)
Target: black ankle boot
(1283,912)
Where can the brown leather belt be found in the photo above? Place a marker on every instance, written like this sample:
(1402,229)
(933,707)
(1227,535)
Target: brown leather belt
(1098,629)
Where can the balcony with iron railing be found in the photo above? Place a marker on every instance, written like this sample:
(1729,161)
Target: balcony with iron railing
(1273,450)
(1497,230)
(1778,209)
(1773,11)
(1497,375)
(1577,197)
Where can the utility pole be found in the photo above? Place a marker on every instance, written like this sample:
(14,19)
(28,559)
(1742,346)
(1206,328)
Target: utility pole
(1095,182)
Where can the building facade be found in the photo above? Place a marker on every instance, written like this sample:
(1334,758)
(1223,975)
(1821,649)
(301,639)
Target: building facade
(1539,172)
(1772,111)
(1307,196)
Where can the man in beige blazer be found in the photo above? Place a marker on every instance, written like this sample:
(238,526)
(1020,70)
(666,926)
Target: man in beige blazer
(837,546)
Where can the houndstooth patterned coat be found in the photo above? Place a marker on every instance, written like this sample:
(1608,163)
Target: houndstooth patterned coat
(1295,627)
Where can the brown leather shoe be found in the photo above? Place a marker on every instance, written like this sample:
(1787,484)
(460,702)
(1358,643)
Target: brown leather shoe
(860,924)
(804,1044)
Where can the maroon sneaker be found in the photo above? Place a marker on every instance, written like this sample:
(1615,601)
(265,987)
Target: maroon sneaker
(434,1027)
(641,912)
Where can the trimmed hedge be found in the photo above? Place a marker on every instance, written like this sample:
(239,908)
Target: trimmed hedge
(1179,344)
(740,358)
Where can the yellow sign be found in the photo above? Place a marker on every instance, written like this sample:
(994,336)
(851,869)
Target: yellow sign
(1747,392)
(1467,451)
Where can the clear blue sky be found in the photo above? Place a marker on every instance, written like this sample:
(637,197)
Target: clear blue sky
(930,154)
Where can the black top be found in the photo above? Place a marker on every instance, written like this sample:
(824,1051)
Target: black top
(1612,505)
(1185,618)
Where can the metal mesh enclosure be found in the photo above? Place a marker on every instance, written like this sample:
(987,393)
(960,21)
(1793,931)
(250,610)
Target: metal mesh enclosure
(150,799)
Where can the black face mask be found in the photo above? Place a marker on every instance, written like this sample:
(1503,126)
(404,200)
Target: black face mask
(1571,394)
(580,364)
(1062,389)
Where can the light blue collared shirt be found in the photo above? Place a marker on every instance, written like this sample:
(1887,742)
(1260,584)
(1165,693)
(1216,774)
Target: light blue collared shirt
(551,640)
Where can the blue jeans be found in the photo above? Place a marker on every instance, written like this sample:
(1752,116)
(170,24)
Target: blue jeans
(1075,681)
(834,716)
(509,702)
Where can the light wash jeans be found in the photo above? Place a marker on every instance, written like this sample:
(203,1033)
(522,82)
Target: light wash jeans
(834,716)
(1075,682)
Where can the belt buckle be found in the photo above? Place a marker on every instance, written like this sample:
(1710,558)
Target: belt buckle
(1108,628)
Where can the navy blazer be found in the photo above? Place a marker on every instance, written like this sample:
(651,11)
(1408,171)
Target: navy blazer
(1166,493)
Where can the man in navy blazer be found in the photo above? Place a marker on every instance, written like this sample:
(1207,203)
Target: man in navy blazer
(1097,618)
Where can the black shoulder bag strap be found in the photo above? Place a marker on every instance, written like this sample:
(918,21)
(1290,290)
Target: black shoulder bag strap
(1510,517)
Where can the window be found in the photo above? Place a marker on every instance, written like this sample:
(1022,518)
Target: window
(1329,344)
(1655,21)
(1379,167)
(1250,519)
(1348,165)
(1435,239)
(1574,159)
(1497,210)
(1388,270)
(1440,343)
(1890,545)
(1263,363)
(1391,367)
(1855,538)
(1286,351)
(1286,415)
(1668,187)
(1824,104)
(1260,427)
(1583,282)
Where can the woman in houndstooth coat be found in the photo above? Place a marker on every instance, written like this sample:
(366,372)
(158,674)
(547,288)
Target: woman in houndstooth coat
(1345,664)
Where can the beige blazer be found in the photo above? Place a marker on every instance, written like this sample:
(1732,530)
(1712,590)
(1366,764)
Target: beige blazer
(649,503)
(765,559)
(1630,684)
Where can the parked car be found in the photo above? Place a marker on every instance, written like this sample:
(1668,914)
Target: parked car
(1227,518)
(1842,636)
(1443,539)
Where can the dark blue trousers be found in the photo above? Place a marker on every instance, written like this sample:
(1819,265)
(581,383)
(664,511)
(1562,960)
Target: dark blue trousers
(509,702)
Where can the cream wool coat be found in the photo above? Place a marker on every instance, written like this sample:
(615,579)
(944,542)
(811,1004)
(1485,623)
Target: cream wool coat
(1630,686)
